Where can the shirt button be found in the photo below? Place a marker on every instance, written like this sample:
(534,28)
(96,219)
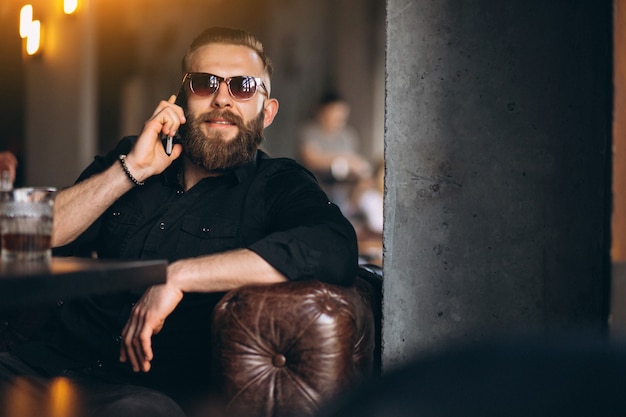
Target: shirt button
(99,363)
(116,213)
(179,192)
(162,225)
(206,229)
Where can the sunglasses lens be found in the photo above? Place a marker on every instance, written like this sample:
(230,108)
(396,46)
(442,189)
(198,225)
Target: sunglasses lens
(243,87)
(204,84)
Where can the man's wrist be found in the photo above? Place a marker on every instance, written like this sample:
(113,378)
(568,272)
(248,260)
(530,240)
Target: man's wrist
(131,177)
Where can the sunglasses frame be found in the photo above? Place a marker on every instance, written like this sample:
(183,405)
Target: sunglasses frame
(188,78)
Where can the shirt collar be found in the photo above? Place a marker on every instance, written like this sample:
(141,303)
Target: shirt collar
(241,173)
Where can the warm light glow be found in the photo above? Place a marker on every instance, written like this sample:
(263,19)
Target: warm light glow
(33,38)
(70,6)
(63,398)
(18,399)
(30,30)
(26,19)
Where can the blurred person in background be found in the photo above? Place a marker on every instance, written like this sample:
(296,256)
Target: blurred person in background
(12,163)
(8,170)
(365,211)
(8,163)
(329,147)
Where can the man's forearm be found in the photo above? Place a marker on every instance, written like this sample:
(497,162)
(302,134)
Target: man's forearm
(222,272)
(77,207)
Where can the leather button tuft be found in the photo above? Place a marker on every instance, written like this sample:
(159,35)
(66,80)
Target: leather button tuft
(279,360)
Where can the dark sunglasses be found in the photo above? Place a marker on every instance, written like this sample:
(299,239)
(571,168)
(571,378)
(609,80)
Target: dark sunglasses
(241,87)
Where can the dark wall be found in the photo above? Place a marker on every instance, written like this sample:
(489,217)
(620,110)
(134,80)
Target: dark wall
(11,82)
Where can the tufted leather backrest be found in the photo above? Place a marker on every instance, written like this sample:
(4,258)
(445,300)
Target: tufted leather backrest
(285,349)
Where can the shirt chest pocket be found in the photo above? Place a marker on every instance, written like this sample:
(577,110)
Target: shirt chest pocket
(206,235)
(119,225)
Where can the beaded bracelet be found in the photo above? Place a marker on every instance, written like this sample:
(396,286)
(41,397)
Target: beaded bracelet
(127,171)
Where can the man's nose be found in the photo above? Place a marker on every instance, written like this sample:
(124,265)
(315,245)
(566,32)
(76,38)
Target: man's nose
(222,95)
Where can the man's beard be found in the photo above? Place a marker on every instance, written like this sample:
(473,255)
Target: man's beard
(214,153)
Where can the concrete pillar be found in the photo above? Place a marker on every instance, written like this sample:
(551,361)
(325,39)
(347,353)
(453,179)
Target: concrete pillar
(61,96)
(498,149)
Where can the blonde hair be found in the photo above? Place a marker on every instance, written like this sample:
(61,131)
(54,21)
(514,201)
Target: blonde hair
(227,36)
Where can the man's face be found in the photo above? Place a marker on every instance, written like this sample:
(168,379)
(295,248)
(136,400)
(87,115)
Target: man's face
(224,132)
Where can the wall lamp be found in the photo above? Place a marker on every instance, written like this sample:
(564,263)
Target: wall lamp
(30,30)
(70,6)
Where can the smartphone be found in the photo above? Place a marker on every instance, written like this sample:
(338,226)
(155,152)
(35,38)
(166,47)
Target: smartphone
(169,141)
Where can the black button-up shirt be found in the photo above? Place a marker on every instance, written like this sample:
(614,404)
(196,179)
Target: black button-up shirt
(272,206)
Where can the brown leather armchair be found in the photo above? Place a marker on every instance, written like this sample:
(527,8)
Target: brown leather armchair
(287,349)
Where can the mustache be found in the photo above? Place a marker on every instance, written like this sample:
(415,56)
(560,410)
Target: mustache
(221,114)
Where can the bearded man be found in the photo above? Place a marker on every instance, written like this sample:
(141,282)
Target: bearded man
(221,211)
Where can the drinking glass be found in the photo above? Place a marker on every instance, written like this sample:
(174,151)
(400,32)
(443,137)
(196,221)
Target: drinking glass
(26,223)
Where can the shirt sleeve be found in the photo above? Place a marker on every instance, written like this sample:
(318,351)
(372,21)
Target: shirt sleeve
(309,236)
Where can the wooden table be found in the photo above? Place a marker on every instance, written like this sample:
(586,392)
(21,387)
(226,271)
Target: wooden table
(26,282)
(23,285)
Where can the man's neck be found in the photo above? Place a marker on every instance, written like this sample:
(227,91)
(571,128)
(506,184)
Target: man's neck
(192,174)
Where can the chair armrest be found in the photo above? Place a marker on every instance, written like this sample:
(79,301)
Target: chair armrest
(285,349)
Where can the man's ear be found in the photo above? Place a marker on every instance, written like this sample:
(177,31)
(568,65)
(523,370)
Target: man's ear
(271,108)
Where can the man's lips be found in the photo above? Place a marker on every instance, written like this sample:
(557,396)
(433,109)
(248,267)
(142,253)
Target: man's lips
(220,122)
